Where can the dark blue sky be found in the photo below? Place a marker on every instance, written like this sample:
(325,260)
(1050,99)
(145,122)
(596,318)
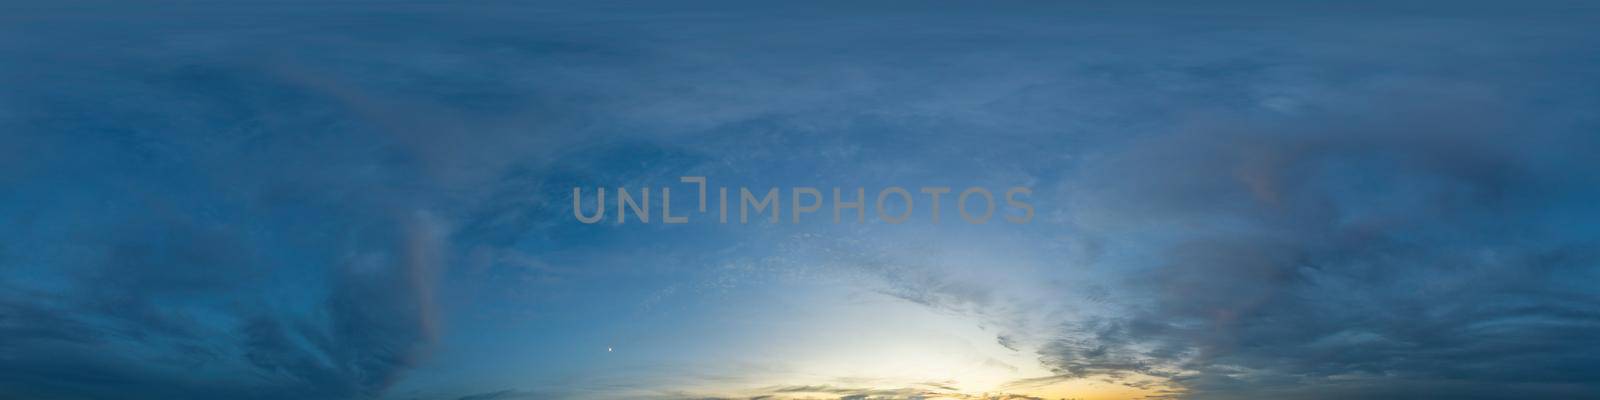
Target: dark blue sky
(1241,200)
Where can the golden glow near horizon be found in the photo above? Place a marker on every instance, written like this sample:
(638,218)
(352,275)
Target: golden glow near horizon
(891,348)
(839,332)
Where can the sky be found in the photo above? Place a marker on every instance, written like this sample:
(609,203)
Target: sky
(375,200)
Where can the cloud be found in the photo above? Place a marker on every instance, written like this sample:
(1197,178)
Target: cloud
(135,327)
(200,251)
(219,203)
(1370,247)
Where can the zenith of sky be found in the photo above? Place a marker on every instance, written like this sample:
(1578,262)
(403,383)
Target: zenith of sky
(373,200)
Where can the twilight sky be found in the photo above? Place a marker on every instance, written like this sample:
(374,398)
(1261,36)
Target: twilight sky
(374,200)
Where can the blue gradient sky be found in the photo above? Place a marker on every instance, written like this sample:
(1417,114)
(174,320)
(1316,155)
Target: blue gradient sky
(374,200)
